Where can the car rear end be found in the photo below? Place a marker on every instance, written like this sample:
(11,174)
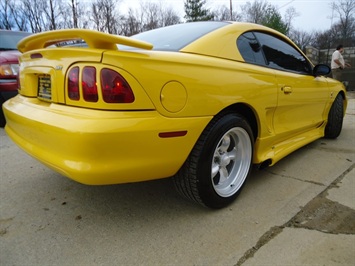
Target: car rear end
(8,72)
(94,122)
(9,66)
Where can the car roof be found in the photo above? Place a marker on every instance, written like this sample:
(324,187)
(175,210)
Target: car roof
(222,42)
(213,38)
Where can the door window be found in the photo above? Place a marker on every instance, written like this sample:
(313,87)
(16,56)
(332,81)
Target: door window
(281,55)
(250,49)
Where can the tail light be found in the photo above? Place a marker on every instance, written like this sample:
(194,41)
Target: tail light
(115,88)
(73,84)
(89,84)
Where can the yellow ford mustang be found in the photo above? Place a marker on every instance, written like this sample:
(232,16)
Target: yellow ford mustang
(200,101)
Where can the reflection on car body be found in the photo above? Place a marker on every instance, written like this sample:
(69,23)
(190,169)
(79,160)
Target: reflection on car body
(200,102)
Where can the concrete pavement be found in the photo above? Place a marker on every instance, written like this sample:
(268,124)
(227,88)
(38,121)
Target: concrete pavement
(323,232)
(298,212)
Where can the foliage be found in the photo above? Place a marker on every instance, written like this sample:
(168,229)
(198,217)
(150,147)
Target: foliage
(262,12)
(149,16)
(255,12)
(274,20)
(344,30)
(224,13)
(106,15)
(195,11)
(302,38)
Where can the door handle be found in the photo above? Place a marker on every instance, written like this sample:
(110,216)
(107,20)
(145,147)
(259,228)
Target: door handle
(287,89)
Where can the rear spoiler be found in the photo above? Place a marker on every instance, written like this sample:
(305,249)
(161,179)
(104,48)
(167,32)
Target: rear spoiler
(94,39)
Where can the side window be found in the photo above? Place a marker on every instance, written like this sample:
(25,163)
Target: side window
(281,55)
(250,49)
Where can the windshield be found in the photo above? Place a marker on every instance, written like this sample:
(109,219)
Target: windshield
(175,37)
(9,39)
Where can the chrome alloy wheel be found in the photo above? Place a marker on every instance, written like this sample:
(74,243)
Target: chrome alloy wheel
(231,162)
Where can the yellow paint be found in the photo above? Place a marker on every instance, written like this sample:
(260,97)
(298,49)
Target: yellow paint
(101,143)
(94,39)
(173,96)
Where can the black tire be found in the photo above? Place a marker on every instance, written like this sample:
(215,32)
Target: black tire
(335,118)
(219,164)
(2,117)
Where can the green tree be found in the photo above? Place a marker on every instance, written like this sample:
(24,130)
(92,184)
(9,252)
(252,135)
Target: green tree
(195,11)
(261,12)
(274,20)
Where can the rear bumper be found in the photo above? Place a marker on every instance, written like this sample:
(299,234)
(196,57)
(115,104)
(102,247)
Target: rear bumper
(101,147)
(8,85)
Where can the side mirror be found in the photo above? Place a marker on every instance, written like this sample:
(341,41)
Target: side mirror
(321,70)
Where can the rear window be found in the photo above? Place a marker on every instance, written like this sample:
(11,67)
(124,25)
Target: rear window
(175,37)
(9,39)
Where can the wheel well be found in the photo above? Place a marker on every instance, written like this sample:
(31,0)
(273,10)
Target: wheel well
(342,93)
(247,112)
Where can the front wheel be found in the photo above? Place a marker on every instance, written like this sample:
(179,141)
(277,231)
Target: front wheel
(219,164)
(335,118)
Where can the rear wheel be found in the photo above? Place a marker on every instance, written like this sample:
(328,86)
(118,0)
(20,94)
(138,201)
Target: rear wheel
(219,164)
(335,118)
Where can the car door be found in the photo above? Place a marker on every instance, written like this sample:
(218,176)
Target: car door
(301,96)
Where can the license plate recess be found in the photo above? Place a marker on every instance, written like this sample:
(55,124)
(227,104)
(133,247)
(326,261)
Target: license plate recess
(44,87)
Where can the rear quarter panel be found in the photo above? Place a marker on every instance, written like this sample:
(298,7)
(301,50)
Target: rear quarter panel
(212,84)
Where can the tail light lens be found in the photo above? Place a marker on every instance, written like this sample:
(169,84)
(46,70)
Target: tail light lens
(89,84)
(73,84)
(115,88)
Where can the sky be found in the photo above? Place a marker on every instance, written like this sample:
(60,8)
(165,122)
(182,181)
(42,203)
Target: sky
(313,14)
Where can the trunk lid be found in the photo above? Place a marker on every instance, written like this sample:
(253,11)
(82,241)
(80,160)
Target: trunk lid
(45,71)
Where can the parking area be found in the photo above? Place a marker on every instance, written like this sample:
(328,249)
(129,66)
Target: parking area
(300,211)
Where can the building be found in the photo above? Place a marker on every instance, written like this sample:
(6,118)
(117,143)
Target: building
(324,56)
